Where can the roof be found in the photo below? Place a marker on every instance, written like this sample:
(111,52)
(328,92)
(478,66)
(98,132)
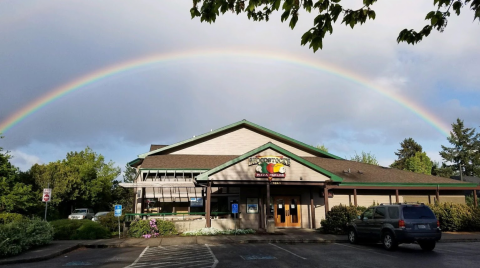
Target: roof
(182,161)
(154,147)
(471,179)
(362,173)
(243,123)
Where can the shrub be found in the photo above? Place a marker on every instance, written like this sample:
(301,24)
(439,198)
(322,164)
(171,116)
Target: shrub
(213,231)
(457,217)
(138,228)
(152,227)
(338,217)
(18,236)
(110,222)
(166,227)
(79,229)
(10,217)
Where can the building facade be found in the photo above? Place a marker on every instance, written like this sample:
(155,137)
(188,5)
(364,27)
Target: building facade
(269,176)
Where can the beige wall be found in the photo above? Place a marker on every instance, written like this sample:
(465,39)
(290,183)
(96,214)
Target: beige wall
(295,172)
(237,142)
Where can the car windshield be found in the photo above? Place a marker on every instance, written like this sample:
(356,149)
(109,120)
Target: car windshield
(80,211)
(415,213)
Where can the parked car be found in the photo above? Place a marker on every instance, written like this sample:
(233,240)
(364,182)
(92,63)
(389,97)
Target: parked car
(99,214)
(81,213)
(396,224)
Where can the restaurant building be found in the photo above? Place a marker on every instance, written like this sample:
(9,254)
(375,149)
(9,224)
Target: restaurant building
(269,175)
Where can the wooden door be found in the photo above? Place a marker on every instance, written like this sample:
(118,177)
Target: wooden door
(287,211)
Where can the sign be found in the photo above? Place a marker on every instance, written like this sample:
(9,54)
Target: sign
(118,210)
(234,208)
(252,205)
(196,202)
(47,195)
(269,166)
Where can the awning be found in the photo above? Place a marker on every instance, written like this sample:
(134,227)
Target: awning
(158,184)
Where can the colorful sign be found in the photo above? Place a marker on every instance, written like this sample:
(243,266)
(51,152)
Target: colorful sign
(47,195)
(269,166)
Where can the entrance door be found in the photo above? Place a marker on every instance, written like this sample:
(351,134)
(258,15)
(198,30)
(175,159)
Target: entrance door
(287,211)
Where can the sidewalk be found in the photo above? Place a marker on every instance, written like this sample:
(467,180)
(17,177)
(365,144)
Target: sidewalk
(288,236)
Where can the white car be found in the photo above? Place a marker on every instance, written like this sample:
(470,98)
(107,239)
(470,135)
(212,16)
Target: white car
(81,213)
(99,214)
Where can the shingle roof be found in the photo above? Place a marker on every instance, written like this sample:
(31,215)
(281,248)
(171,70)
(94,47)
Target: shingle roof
(156,147)
(366,173)
(181,161)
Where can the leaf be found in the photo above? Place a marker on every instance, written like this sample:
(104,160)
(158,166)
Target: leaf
(306,37)
(293,21)
(276,4)
(285,15)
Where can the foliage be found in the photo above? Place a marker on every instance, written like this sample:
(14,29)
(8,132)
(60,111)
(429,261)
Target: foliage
(457,217)
(213,231)
(441,170)
(465,150)
(338,217)
(19,236)
(151,228)
(110,222)
(367,158)
(420,163)
(78,230)
(328,12)
(409,148)
(322,147)
(6,218)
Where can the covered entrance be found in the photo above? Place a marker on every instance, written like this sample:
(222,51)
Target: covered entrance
(287,211)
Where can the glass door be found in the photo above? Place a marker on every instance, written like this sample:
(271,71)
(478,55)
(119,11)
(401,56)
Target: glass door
(287,212)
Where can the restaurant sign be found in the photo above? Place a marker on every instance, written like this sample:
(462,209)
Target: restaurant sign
(269,166)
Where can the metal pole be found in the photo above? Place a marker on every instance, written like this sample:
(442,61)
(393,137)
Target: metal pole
(46,203)
(461,176)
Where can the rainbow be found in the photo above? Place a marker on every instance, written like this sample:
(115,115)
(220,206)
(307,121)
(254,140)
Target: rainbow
(122,67)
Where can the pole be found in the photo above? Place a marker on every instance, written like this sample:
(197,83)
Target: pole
(118,227)
(46,203)
(461,176)
(268,200)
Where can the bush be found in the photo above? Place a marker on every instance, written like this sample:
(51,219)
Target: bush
(457,217)
(18,236)
(338,217)
(152,227)
(10,217)
(79,229)
(110,222)
(213,231)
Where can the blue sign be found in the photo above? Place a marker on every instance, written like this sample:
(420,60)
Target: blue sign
(234,208)
(118,210)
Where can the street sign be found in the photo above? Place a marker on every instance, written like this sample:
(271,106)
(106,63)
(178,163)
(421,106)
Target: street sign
(47,194)
(234,208)
(118,210)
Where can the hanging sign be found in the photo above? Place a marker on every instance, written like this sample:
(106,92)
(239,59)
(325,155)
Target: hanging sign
(269,166)
(47,195)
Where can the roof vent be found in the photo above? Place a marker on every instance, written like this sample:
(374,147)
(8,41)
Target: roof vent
(360,172)
(346,171)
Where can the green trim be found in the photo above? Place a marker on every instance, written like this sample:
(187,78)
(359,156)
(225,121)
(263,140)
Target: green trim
(204,176)
(409,184)
(134,161)
(202,169)
(247,123)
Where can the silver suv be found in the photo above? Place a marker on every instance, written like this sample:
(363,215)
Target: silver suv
(394,224)
(81,213)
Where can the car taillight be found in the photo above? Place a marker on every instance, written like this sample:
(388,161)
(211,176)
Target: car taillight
(401,224)
(438,223)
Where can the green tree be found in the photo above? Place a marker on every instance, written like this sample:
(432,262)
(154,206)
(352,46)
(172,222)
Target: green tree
(15,195)
(364,157)
(328,12)
(419,163)
(322,147)
(125,196)
(408,149)
(465,150)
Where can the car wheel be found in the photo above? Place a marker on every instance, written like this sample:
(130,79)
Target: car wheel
(427,245)
(352,236)
(388,240)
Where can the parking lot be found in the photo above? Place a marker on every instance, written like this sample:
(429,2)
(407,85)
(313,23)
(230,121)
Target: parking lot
(270,255)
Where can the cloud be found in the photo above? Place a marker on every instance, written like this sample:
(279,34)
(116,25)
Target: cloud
(24,161)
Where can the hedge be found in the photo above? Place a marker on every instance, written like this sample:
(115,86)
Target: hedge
(151,228)
(338,217)
(10,217)
(79,230)
(110,222)
(21,235)
(457,217)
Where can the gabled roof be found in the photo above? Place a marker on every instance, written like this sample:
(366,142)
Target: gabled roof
(185,161)
(247,124)
(154,147)
(204,176)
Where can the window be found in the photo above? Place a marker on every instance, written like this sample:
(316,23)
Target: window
(380,213)
(417,212)
(368,214)
(393,213)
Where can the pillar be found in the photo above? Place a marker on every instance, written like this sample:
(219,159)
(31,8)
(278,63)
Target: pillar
(208,204)
(355,197)
(437,193)
(268,201)
(143,201)
(397,199)
(325,194)
(475,198)
(312,208)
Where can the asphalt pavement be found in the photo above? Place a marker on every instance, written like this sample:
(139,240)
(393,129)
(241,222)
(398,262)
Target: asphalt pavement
(445,255)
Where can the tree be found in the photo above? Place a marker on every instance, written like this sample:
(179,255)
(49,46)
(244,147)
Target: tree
(465,151)
(367,158)
(328,13)
(322,147)
(124,196)
(408,149)
(419,163)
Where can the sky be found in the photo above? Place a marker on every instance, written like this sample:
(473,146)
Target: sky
(362,92)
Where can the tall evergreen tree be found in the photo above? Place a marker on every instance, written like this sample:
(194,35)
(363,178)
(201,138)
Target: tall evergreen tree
(409,148)
(465,150)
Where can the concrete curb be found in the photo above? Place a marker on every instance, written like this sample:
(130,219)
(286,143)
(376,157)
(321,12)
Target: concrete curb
(41,258)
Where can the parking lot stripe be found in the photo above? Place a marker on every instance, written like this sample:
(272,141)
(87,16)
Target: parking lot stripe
(365,249)
(140,256)
(215,260)
(288,251)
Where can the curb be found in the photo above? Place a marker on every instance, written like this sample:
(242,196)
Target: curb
(41,258)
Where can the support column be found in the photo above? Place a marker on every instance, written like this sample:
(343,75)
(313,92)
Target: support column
(268,201)
(261,211)
(397,199)
(208,204)
(143,200)
(325,194)
(312,208)
(355,197)
(475,198)
(437,193)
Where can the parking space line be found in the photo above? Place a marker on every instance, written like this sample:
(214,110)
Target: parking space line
(449,251)
(288,251)
(215,260)
(141,255)
(365,249)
